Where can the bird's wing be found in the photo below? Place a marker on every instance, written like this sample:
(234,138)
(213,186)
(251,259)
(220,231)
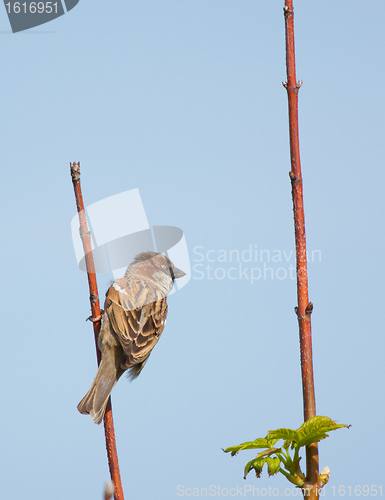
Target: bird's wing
(137,314)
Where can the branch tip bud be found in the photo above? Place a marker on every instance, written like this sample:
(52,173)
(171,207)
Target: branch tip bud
(75,171)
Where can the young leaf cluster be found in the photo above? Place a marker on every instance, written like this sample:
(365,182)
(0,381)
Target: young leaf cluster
(279,459)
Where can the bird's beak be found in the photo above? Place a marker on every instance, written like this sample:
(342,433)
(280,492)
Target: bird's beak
(178,273)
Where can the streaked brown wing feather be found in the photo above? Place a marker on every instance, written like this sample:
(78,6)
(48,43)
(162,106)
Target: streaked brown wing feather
(137,314)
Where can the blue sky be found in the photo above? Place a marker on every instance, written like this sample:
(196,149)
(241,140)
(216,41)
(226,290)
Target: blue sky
(184,101)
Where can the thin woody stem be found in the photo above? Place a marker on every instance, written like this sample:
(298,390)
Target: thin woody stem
(96,320)
(304,308)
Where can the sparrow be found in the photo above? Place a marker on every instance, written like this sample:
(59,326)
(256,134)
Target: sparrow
(135,313)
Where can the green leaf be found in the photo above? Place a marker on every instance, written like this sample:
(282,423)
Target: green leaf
(286,434)
(289,435)
(249,445)
(273,465)
(256,465)
(316,429)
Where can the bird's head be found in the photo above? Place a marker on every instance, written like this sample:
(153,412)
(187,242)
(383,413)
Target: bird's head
(155,266)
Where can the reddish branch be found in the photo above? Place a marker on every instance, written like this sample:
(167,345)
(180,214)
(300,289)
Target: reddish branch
(305,307)
(96,320)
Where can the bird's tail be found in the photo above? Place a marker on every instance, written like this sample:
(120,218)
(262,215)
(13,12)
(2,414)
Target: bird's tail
(96,399)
